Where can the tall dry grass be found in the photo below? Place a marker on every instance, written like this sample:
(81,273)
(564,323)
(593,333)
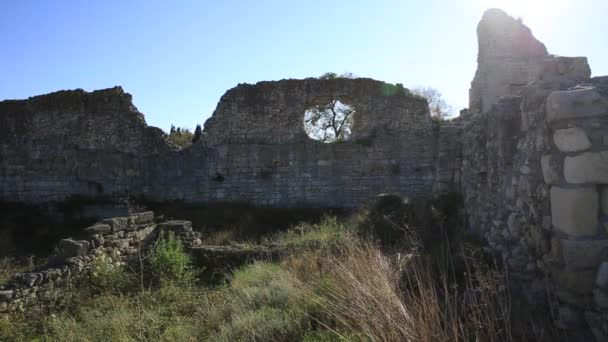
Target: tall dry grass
(364,292)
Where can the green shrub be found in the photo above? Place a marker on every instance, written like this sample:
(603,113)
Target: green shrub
(263,284)
(106,276)
(169,263)
(264,324)
(327,234)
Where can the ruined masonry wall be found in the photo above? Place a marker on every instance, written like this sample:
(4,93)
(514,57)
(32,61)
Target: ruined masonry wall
(120,239)
(576,169)
(254,148)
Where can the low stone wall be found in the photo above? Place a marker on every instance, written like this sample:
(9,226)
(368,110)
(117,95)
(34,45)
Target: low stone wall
(120,238)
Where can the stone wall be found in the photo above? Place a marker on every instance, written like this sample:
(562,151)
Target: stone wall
(121,239)
(510,57)
(576,169)
(534,170)
(74,143)
(254,148)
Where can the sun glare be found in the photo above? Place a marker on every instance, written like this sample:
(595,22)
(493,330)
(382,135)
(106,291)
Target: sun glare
(525,8)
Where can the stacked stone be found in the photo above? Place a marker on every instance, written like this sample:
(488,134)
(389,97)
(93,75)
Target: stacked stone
(183,230)
(118,237)
(577,171)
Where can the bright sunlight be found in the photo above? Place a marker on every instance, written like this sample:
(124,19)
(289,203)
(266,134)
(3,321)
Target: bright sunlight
(526,8)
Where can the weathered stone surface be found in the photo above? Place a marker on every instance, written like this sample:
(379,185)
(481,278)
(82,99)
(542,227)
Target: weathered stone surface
(6,295)
(587,168)
(98,228)
(582,102)
(571,139)
(117,223)
(584,254)
(510,57)
(575,211)
(551,167)
(69,248)
(254,148)
(601,280)
(508,54)
(175,225)
(144,217)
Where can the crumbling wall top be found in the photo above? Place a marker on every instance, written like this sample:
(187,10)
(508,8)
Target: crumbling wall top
(99,120)
(273,112)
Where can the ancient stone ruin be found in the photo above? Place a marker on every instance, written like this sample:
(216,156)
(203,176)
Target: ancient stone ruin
(530,157)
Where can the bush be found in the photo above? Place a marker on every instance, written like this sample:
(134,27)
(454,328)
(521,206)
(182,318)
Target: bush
(329,234)
(169,263)
(264,324)
(105,276)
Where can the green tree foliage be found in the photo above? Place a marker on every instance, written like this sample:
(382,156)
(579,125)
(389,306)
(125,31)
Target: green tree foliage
(180,136)
(330,122)
(197,133)
(333,75)
(437,106)
(169,263)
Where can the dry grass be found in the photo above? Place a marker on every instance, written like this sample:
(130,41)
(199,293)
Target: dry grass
(380,298)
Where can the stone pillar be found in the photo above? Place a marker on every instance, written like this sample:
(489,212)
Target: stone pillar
(576,167)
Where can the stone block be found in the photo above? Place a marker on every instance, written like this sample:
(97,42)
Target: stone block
(571,139)
(98,228)
(575,211)
(176,226)
(117,223)
(144,217)
(584,254)
(587,168)
(551,167)
(69,248)
(578,103)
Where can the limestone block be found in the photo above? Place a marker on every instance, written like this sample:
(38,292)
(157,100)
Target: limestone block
(117,223)
(601,280)
(581,102)
(587,168)
(98,228)
(571,139)
(550,165)
(144,217)
(69,248)
(574,211)
(176,226)
(584,254)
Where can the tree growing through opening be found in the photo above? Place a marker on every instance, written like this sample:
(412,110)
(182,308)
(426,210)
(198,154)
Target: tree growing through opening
(330,122)
(438,107)
(180,136)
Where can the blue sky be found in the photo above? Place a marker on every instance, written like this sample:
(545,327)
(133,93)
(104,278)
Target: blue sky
(178,57)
